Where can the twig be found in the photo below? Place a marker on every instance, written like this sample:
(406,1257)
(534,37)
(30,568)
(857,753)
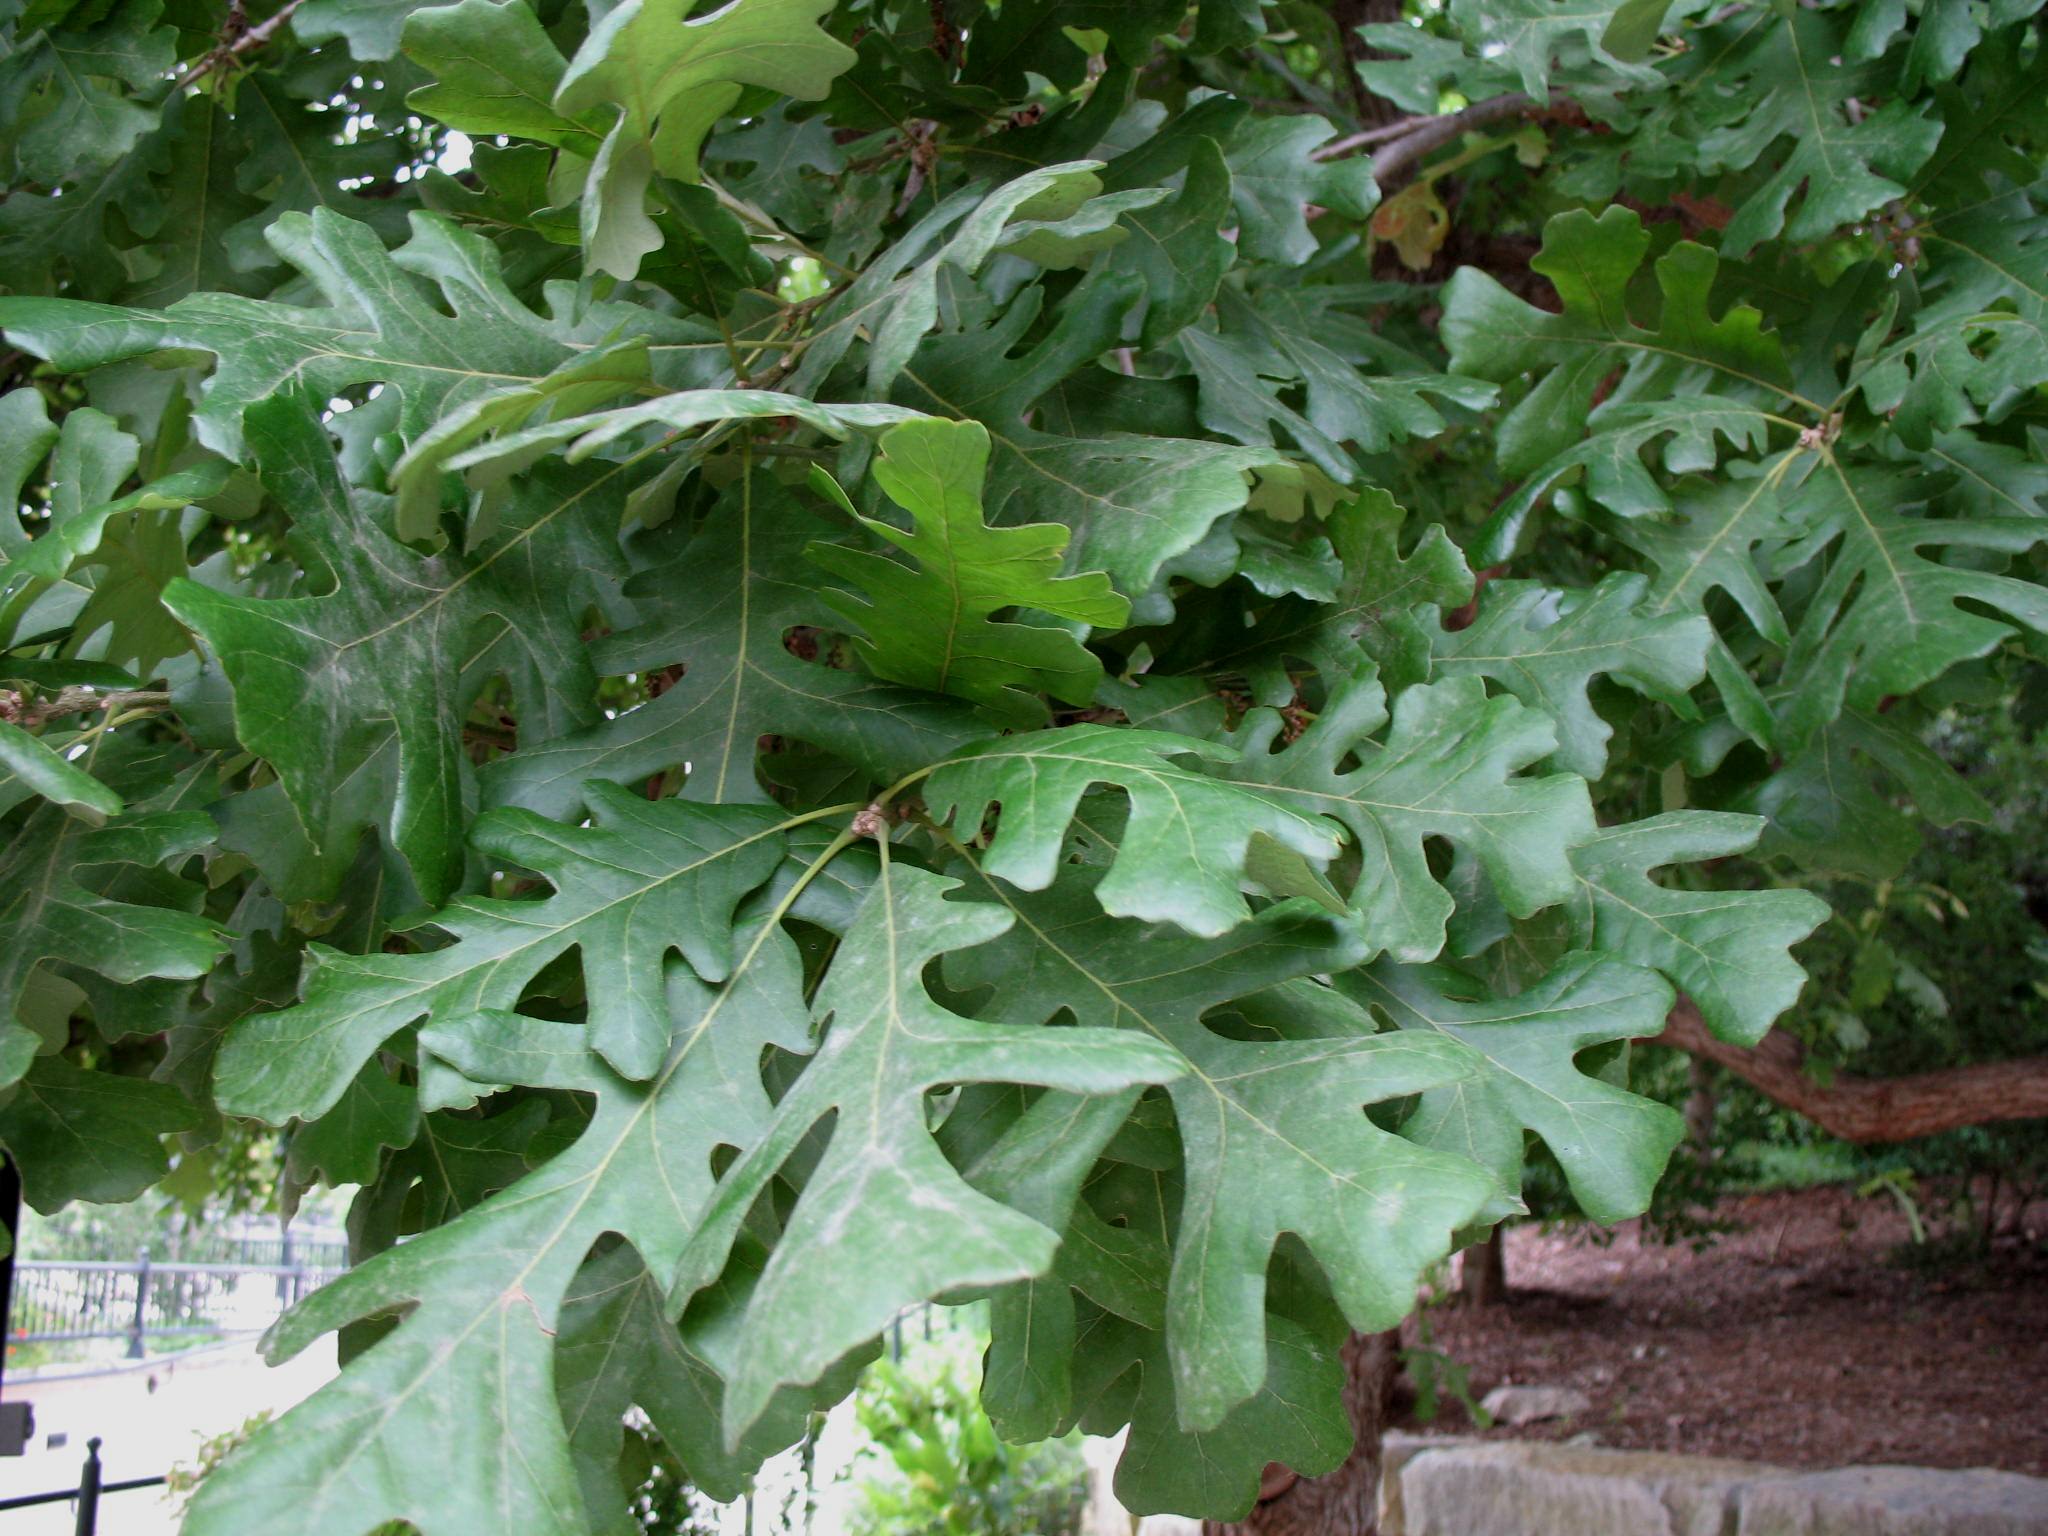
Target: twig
(1338,148)
(248,42)
(1392,160)
(76,701)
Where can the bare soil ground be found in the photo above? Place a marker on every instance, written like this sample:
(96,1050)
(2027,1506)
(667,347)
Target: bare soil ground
(1801,1339)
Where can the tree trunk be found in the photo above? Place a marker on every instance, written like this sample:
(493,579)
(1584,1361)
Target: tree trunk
(1701,1108)
(1483,1271)
(1348,16)
(1345,1503)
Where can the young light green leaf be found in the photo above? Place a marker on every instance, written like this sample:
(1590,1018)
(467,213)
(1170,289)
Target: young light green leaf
(932,626)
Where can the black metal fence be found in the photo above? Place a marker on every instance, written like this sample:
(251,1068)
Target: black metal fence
(66,1299)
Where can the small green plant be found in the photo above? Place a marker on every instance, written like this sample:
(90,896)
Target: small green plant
(1900,1185)
(1437,1375)
(943,1470)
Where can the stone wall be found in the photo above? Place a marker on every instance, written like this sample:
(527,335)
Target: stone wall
(1446,1487)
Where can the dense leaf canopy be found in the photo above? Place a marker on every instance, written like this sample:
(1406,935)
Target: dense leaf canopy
(884,651)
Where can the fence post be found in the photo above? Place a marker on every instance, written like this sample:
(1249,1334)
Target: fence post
(136,1349)
(89,1490)
(285,1261)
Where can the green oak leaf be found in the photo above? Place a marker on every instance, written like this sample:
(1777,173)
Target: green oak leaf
(1380,606)
(932,625)
(1182,857)
(418,1426)
(617,1349)
(1795,86)
(1850,802)
(31,766)
(381,324)
(66,106)
(671,76)
(643,879)
(830,1284)
(1728,950)
(1271,1130)
(453,1162)
(1521,44)
(401,643)
(345,1145)
(1177,248)
(1256,350)
(496,72)
(1274,177)
(55,872)
(1612,1144)
(720,610)
(85,1135)
(1609,465)
(1982,331)
(1448,766)
(1297,1418)
(1886,619)
(1592,262)
(895,300)
(204,154)
(92,458)
(1033,1154)
(1718,536)
(1137,504)
(1545,646)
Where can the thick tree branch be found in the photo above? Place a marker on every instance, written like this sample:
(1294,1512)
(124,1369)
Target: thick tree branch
(1392,161)
(1863,1109)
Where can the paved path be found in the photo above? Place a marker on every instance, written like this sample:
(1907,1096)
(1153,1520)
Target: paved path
(150,1419)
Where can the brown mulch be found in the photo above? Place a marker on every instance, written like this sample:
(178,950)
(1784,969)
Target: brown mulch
(1801,1339)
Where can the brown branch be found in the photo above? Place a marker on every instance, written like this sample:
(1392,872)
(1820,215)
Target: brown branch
(248,42)
(1393,160)
(1865,1109)
(1336,149)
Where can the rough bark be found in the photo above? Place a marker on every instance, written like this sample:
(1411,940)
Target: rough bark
(1349,16)
(1483,1271)
(1701,1108)
(1863,1109)
(1346,1502)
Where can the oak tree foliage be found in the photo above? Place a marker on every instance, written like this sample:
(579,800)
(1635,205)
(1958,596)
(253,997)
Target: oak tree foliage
(766,662)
